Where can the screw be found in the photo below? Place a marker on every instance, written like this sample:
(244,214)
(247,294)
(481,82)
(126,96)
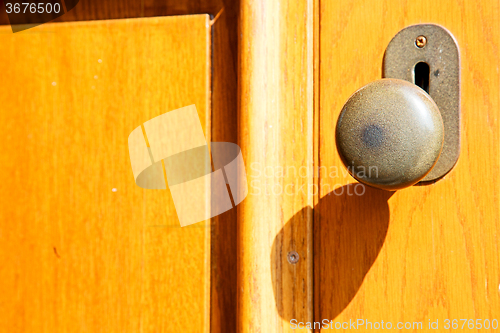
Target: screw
(420,41)
(293,257)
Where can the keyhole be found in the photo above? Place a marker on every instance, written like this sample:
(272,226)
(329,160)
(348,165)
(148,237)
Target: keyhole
(421,74)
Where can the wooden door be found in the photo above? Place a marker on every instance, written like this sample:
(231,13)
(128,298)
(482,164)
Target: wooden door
(425,253)
(83,248)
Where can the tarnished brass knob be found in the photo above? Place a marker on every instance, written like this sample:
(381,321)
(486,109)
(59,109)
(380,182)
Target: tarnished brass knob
(389,134)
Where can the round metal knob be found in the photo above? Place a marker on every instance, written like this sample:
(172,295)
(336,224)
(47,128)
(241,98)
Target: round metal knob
(389,134)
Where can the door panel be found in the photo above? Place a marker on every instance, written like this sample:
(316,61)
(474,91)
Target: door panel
(425,252)
(83,247)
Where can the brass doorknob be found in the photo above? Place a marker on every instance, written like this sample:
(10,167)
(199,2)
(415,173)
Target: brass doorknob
(389,134)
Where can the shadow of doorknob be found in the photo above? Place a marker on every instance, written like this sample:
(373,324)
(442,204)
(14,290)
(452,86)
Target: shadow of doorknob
(389,134)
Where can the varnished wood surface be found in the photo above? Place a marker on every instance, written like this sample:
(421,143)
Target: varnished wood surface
(76,255)
(224,21)
(276,137)
(87,10)
(401,253)
(223,303)
(426,252)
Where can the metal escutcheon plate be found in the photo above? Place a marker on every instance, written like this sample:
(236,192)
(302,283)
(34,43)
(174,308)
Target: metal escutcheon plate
(439,50)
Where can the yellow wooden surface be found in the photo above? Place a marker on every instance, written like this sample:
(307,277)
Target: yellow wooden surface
(276,138)
(426,252)
(77,256)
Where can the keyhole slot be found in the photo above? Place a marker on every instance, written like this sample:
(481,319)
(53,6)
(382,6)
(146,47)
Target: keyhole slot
(421,73)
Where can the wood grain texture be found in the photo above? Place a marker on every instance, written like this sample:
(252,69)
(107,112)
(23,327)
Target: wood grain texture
(224,24)
(426,252)
(87,10)
(76,256)
(224,129)
(276,137)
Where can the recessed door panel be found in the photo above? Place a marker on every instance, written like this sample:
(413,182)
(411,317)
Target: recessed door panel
(83,248)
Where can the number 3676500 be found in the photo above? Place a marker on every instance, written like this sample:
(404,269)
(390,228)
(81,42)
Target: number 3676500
(32,8)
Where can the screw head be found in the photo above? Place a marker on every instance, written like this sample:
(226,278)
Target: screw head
(420,41)
(292,257)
